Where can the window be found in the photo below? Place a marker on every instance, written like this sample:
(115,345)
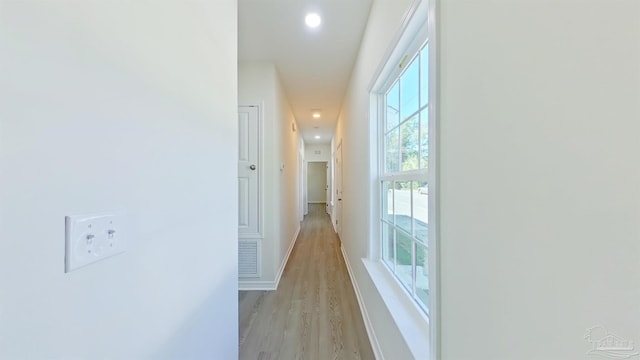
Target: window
(404,174)
(402,257)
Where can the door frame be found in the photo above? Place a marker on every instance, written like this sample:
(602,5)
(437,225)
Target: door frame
(301,180)
(338,189)
(326,189)
(260,165)
(329,189)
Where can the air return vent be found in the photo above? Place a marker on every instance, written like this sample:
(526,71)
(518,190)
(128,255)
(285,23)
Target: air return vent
(248,258)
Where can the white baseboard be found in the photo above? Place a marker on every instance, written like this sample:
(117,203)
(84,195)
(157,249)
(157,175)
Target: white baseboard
(286,257)
(375,345)
(246,285)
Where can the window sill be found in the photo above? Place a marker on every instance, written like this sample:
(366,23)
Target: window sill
(410,320)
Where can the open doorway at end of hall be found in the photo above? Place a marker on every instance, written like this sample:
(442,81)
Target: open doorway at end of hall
(318,183)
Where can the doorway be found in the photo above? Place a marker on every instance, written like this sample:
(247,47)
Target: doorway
(317,185)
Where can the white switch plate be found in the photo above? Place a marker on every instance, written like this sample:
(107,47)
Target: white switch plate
(91,238)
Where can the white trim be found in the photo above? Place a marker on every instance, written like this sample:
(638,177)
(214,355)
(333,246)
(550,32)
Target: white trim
(339,200)
(393,46)
(375,344)
(334,198)
(254,236)
(410,320)
(301,180)
(257,285)
(374,250)
(270,285)
(434,208)
(261,207)
(286,257)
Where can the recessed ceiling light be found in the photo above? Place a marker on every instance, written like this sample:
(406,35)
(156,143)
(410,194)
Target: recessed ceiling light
(317,136)
(316,115)
(313,20)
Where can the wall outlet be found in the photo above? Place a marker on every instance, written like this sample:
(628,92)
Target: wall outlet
(91,238)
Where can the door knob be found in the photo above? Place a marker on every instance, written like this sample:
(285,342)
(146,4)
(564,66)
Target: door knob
(252,167)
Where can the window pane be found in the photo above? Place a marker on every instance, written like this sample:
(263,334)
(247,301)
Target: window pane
(424,76)
(422,275)
(387,201)
(392,152)
(410,141)
(409,85)
(393,107)
(424,139)
(420,210)
(402,201)
(387,244)
(404,260)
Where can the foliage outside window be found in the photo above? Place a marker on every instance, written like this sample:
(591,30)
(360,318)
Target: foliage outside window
(404,173)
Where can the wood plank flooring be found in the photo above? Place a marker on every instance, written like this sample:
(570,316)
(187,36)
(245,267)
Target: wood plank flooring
(314,314)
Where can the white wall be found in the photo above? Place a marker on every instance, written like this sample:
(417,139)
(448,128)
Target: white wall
(317,182)
(119,106)
(539,176)
(259,84)
(311,149)
(352,129)
(289,176)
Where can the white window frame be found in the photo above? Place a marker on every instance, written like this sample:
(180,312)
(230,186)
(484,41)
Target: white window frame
(408,315)
(419,175)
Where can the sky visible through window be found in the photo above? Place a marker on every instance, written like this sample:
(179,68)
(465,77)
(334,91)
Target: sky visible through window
(406,124)
(405,203)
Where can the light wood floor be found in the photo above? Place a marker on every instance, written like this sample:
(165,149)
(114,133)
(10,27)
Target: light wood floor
(314,313)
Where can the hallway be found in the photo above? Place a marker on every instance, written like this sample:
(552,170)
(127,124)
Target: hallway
(314,313)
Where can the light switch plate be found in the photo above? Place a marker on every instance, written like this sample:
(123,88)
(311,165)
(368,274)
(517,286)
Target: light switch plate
(91,238)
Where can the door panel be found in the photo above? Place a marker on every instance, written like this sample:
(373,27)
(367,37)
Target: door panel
(248,172)
(244,203)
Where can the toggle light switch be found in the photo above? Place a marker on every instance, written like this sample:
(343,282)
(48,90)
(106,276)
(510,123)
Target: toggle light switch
(91,238)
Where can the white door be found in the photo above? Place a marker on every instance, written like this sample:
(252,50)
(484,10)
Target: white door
(301,192)
(248,172)
(338,181)
(305,186)
(328,189)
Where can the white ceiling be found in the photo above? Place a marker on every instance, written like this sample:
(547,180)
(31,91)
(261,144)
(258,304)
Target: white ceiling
(314,64)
